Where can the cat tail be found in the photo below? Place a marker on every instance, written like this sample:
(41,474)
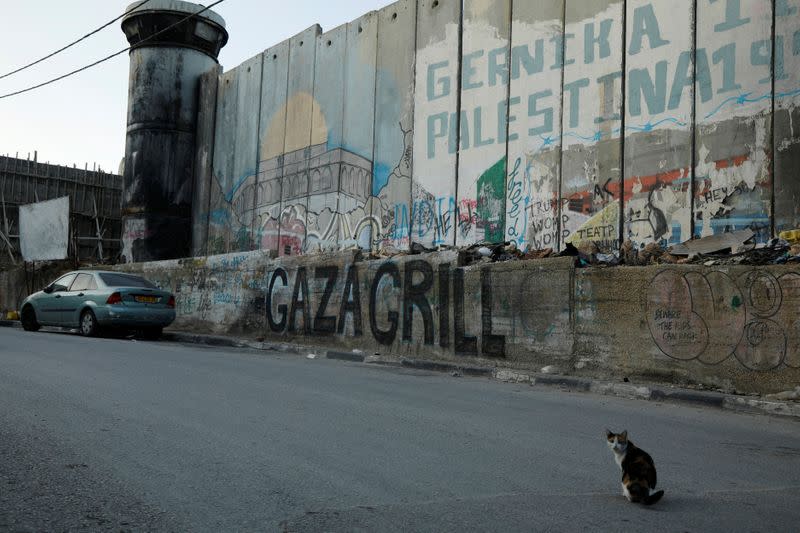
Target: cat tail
(653,498)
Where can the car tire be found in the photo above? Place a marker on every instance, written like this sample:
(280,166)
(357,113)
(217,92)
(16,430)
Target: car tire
(29,322)
(152,334)
(88,325)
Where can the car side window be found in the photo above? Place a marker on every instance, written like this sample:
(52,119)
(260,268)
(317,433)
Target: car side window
(63,283)
(81,283)
(92,286)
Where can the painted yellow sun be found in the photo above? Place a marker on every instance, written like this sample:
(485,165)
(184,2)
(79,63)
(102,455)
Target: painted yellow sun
(290,130)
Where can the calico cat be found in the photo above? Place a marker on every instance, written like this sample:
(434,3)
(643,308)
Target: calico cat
(638,469)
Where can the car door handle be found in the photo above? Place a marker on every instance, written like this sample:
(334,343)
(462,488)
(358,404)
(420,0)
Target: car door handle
(58,296)
(80,294)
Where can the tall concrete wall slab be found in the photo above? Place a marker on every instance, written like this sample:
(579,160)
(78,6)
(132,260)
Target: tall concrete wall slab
(326,166)
(394,124)
(658,122)
(481,197)
(357,227)
(787,115)
(245,161)
(534,125)
(733,145)
(204,156)
(731,327)
(591,163)
(437,122)
(298,142)
(272,135)
(222,227)
(446,123)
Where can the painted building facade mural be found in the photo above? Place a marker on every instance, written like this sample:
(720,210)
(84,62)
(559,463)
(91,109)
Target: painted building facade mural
(446,123)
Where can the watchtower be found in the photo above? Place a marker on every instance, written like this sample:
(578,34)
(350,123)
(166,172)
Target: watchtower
(166,64)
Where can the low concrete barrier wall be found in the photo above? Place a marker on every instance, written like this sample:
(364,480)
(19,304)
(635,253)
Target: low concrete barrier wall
(736,328)
(12,289)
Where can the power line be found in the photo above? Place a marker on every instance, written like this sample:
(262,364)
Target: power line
(76,71)
(70,45)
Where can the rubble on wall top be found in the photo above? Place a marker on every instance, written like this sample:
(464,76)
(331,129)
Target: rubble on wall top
(734,248)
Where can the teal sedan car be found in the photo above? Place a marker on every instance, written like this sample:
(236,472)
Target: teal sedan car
(92,300)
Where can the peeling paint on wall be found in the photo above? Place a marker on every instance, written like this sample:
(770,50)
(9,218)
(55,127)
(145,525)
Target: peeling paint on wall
(658,126)
(733,101)
(592,150)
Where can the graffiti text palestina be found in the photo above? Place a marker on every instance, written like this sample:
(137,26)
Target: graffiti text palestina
(650,92)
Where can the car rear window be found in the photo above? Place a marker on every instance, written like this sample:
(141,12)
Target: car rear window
(82,283)
(126,280)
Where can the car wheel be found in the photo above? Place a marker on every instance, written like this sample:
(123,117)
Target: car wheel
(89,326)
(152,334)
(29,322)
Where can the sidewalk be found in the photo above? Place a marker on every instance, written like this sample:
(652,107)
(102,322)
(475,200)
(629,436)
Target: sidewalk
(643,391)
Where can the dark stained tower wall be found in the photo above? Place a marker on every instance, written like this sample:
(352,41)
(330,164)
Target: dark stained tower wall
(165,71)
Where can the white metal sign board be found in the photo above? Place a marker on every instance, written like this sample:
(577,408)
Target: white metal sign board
(44,230)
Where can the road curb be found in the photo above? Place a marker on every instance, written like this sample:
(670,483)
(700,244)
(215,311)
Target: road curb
(649,392)
(232,342)
(355,357)
(710,399)
(208,340)
(10,324)
(437,366)
(759,406)
(580,384)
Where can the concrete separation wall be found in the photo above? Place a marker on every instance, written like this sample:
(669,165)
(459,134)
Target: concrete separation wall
(735,328)
(544,123)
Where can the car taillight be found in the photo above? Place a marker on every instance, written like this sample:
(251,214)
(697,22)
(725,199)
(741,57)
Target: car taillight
(171,302)
(115,298)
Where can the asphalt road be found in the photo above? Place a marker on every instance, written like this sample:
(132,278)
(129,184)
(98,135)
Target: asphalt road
(109,434)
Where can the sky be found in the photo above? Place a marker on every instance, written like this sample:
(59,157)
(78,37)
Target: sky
(81,120)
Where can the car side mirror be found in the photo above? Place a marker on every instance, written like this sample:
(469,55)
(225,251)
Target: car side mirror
(48,289)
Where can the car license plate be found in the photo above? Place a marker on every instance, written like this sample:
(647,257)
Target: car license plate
(146,299)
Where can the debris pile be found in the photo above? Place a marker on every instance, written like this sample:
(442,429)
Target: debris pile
(491,253)
(733,248)
(738,248)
